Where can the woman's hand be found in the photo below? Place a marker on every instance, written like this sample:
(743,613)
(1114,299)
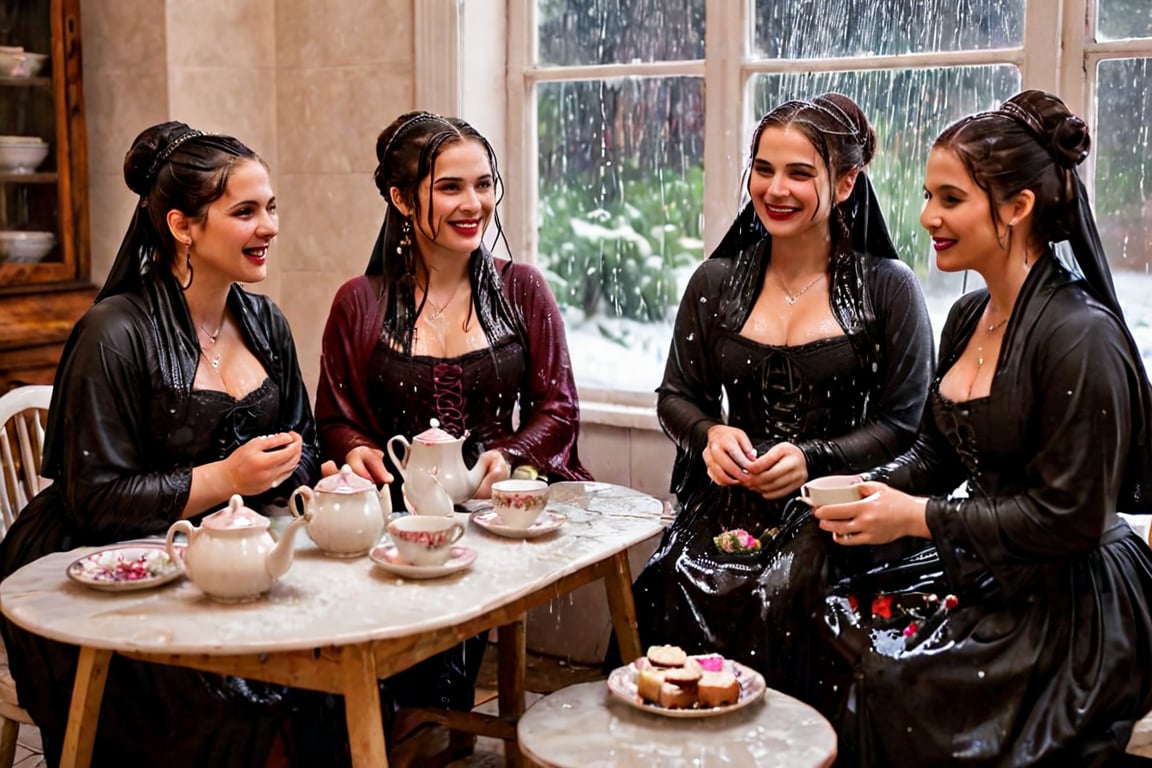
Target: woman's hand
(262,463)
(728,455)
(882,515)
(779,472)
(368,462)
(496,468)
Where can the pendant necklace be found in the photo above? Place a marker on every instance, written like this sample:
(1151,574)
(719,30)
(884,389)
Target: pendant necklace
(212,337)
(790,297)
(436,315)
(980,347)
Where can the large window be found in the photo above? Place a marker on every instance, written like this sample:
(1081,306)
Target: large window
(629,125)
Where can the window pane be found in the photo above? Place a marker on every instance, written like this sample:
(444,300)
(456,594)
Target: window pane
(574,32)
(907,109)
(791,29)
(1123,188)
(621,185)
(1119,19)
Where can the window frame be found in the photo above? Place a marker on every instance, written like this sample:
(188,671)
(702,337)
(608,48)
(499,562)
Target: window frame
(505,107)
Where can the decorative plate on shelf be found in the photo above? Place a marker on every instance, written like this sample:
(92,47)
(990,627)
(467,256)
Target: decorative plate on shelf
(125,567)
(622,683)
(550,520)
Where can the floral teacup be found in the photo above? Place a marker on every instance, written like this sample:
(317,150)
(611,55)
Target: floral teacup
(423,539)
(519,503)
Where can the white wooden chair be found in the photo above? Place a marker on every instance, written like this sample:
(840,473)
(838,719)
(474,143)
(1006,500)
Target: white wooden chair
(23,414)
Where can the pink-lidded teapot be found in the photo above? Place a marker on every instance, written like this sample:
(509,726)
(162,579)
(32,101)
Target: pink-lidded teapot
(439,454)
(231,556)
(347,514)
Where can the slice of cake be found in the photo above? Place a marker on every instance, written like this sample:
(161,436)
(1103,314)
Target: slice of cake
(717,689)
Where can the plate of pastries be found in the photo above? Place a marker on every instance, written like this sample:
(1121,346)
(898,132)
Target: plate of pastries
(669,682)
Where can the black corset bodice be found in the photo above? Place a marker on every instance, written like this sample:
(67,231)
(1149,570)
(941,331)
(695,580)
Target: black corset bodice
(792,393)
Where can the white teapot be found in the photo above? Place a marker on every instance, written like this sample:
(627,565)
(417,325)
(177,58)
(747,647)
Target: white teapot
(347,513)
(438,453)
(231,556)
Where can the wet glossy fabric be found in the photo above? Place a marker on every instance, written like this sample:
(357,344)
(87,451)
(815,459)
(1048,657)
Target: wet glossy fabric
(1044,657)
(848,402)
(124,432)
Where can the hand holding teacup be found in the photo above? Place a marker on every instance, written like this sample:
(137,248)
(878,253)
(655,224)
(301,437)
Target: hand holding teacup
(864,512)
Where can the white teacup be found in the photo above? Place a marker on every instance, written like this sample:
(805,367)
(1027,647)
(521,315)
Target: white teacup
(519,503)
(423,539)
(832,489)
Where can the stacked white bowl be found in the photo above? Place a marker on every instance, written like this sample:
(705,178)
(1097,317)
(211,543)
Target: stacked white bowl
(21,154)
(19,247)
(15,62)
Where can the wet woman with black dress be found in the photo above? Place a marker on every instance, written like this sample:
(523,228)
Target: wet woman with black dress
(817,336)
(1031,647)
(175,390)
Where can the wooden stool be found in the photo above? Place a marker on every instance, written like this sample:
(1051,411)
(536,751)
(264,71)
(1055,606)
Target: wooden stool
(584,725)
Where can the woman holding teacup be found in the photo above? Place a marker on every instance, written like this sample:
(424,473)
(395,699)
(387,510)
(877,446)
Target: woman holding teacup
(817,335)
(1031,647)
(439,328)
(177,389)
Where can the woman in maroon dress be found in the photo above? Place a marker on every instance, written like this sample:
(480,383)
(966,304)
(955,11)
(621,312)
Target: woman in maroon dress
(438,328)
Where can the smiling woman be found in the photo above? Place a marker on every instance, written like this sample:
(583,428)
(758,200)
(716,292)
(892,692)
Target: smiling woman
(173,391)
(440,331)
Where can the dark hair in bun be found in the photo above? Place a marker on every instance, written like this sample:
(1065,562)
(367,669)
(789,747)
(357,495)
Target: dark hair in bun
(174,167)
(1034,142)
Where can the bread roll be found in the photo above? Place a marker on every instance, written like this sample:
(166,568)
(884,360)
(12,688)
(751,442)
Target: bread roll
(717,689)
(667,655)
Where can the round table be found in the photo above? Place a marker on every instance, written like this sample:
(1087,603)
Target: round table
(584,726)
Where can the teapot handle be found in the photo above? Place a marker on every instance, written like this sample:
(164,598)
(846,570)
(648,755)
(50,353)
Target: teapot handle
(304,491)
(170,542)
(400,464)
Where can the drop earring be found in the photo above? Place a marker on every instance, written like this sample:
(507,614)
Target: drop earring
(188,262)
(405,240)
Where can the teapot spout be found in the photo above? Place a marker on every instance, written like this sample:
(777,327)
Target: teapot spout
(278,560)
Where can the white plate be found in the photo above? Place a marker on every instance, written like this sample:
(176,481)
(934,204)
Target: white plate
(111,568)
(386,556)
(622,685)
(549,521)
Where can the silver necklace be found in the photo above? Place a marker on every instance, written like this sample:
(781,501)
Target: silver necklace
(215,360)
(790,297)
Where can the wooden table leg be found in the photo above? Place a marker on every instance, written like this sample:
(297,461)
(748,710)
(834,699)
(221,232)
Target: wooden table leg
(618,584)
(84,712)
(511,644)
(362,707)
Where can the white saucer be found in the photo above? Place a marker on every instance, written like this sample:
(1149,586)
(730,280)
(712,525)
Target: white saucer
(386,556)
(549,521)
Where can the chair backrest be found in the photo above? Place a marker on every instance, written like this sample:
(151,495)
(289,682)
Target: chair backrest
(23,414)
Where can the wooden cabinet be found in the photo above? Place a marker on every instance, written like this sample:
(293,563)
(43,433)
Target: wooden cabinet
(41,100)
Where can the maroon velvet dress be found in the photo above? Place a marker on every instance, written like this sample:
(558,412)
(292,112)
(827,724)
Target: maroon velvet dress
(517,395)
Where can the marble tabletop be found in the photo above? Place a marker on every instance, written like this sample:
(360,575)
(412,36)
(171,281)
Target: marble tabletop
(323,601)
(584,726)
